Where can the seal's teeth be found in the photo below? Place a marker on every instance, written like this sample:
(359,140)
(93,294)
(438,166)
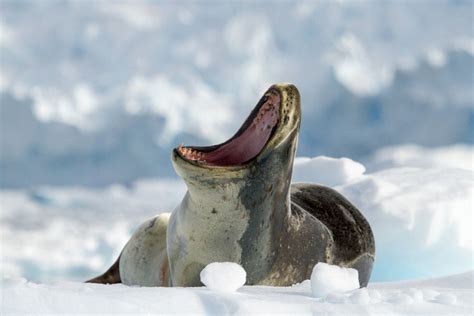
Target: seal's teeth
(194,154)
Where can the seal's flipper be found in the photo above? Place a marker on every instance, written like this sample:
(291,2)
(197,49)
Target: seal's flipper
(110,276)
(364,265)
(354,245)
(144,259)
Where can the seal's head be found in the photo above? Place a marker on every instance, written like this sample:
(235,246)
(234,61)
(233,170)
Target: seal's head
(274,122)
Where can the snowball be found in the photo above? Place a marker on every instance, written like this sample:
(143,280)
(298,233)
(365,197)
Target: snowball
(446,298)
(223,276)
(360,296)
(327,279)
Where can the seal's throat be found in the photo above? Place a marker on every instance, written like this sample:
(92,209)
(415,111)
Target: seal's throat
(247,143)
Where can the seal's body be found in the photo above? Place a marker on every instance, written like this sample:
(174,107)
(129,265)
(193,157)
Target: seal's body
(240,207)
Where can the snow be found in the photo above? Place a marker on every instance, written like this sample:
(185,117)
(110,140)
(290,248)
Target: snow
(327,279)
(362,297)
(326,170)
(454,296)
(223,276)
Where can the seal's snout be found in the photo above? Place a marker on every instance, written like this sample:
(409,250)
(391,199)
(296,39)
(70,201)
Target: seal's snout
(290,111)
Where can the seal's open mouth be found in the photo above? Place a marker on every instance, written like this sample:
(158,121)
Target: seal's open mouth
(247,143)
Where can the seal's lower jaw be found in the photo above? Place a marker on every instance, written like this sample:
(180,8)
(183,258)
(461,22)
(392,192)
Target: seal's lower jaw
(247,143)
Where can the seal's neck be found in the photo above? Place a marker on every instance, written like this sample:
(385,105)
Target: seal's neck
(244,211)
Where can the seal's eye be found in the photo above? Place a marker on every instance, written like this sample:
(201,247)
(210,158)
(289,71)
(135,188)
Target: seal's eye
(249,140)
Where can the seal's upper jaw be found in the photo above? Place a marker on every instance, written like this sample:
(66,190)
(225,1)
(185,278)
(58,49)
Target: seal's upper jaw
(269,119)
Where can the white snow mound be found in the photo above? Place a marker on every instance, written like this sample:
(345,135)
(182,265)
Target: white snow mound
(326,170)
(458,156)
(223,276)
(421,214)
(327,279)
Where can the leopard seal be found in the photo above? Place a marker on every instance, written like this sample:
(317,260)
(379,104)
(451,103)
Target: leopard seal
(241,207)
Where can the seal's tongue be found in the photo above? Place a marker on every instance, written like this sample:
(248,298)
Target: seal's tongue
(247,144)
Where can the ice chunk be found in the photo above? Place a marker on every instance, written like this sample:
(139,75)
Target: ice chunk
(327,279)
(223,276)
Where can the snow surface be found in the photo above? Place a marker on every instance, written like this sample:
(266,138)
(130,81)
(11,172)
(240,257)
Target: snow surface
(446,296)
(223,276)
(329,279)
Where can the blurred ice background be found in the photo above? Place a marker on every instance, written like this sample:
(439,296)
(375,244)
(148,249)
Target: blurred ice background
(93,96)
